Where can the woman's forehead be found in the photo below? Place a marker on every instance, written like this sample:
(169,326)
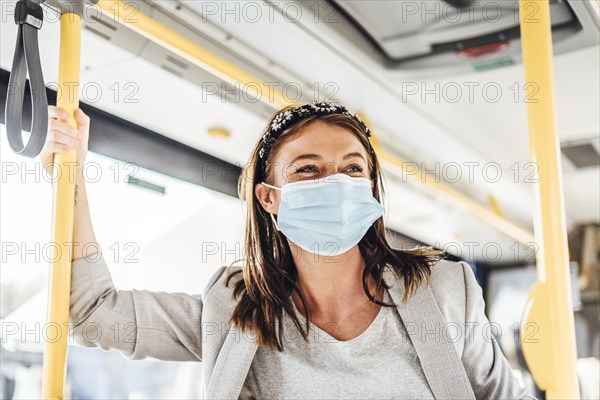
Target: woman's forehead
(322,139)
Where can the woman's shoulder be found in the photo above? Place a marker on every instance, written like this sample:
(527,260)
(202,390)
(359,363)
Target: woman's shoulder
(448,274)
(217,297)
(220,286)
(448,283)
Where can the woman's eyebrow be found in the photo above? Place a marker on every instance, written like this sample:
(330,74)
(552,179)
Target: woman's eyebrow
(308,156)
(312,156)
(355,154)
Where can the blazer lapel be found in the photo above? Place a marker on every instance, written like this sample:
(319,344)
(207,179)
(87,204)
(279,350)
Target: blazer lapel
(425,325)
(232,365)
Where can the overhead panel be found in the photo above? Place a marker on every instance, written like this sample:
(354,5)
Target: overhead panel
(477,35)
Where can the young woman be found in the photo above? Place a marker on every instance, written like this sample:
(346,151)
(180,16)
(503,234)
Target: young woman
(322,306)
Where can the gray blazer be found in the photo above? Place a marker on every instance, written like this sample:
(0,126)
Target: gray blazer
(445,321)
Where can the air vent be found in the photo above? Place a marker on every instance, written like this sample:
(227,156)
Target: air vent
(102,28)
(103,23)
(172,70)
(97,32)
(180,63)
(581,155)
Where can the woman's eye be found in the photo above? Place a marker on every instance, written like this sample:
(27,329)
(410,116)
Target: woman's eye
(354,168)
(310,169)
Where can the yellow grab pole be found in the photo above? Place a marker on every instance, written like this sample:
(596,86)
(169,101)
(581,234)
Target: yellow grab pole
(59,285)
(547,328)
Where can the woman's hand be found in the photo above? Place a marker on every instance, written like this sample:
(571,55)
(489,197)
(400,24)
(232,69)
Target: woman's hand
(62,137)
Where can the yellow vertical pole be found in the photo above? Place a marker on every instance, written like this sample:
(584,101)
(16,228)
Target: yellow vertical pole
(547,329)
(59,285)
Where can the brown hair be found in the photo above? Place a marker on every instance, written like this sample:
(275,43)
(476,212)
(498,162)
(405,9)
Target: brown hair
(268,270)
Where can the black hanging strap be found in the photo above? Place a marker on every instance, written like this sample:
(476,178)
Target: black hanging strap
(29,16)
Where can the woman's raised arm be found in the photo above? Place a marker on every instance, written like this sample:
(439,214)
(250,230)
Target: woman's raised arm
(138,323)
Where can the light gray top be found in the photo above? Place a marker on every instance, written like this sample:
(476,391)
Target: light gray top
(379,363)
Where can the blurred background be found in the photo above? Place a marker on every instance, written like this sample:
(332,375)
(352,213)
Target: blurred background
(441,87)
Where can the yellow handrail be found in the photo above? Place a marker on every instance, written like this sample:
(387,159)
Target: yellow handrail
(185,48)
(59,284)
(547,328)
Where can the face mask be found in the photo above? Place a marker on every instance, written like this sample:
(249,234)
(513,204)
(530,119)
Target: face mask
(327,216)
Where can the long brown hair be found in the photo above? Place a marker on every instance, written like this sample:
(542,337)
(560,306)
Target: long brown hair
(268,270)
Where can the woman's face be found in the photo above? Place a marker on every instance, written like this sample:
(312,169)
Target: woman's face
(319,150)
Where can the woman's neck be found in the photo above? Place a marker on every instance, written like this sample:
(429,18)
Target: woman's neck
(332,286)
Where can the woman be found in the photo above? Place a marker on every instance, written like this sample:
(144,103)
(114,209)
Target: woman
(322,306)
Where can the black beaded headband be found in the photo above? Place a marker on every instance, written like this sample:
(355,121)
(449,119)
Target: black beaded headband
(289,117)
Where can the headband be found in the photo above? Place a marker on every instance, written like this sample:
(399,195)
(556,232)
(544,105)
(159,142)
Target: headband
(287,118)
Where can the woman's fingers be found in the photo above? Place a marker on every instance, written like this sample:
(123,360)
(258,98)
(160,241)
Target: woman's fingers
(81,118)
(58,118)
(55,125)
(59,113)
(63,138)
(55,147)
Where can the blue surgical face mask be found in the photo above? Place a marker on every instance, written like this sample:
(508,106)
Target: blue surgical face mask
(327,216)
